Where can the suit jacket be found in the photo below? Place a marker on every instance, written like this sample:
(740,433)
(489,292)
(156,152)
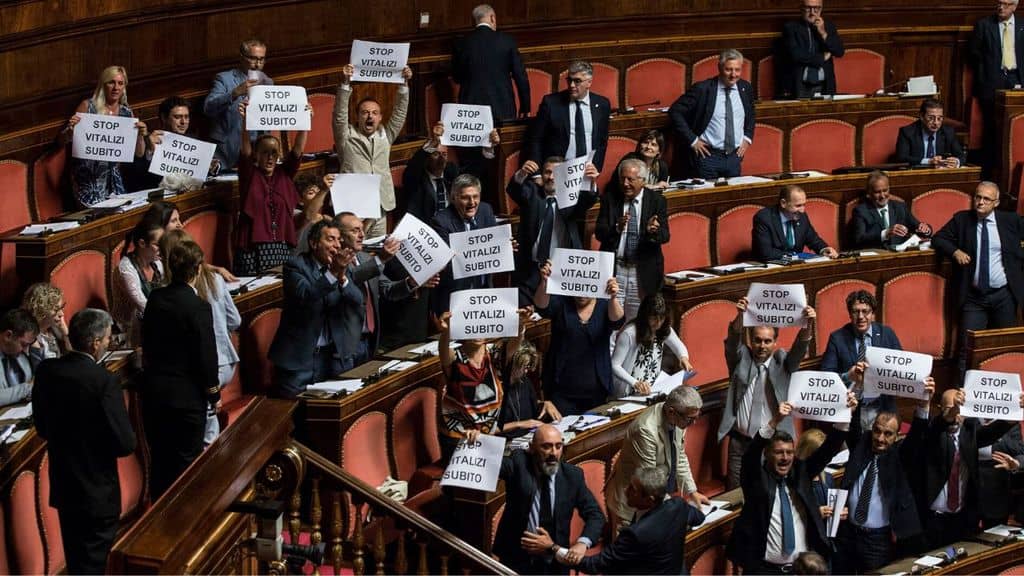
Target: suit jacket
(644,446)
(362,154)
(549,132)
(750,532)
(987,54)
(769,239)
(961,232)
(482,63)
(418,186)
(910,144)
(841,354)
(650,262)
(868,224)
(368,277)
(14,392)
(180,349)
(653,545)
(79,409)
(445,222)
(691,113)
(571,493)
(221,107)
(800,50)
(741,370)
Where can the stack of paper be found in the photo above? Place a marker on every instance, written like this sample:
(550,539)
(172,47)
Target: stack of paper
(430,348)
(581,423)
(335,386)
(37,229)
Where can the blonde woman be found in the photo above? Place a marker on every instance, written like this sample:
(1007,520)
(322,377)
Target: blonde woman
(46,303)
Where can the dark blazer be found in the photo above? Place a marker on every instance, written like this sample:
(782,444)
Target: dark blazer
(750,532)
(769,239)
(987,54)
(841,351)
(549,132)
(309,298)
(653,545)
(801,50)
(418,187)
(180,360)
(367,276)
(571,493)
(867,223)
(445,222)
(961,232)
(691,113)
(910,144)
(482,63)
(650,262)
(79,410)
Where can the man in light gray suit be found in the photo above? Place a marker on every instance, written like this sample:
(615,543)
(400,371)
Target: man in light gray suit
(18,331)
(758,382)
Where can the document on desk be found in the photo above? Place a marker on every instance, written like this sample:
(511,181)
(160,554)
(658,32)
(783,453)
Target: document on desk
(335,386)
(37,229)
(713,513)
(690,275)
(18,435)
(630,406)
(739,180)
(842,97)
(17,413)
(810,174)
(430,348)
(253,282)
(1004,530)
(580,423)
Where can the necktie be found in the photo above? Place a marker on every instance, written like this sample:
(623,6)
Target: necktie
(930,151)
(632,233)
(327,339)
(788,532)
(1009,56)
(884,213)
(442,197)
(581,138)
(547,226)
(370,320)
(860,515)
(730,132)
(758,401)
(671,486)
(790,236)
(545,518)
(953,489)
(862,348)
(983,257)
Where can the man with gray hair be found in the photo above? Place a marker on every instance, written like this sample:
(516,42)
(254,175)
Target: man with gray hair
(228,90)
(634,226)
(715,118)
(571,123)
(485,63)
(79,410)
(656,438)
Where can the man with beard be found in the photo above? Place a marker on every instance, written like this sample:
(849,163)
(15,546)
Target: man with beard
(541,493)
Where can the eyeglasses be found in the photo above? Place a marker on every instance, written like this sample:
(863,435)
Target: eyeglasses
(577,80)
(807,8)
(251,58)
(984,199)
(934,118)
(859,312)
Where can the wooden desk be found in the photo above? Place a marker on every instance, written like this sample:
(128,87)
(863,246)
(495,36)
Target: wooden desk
(1007,172)
(983,345)
(981,559)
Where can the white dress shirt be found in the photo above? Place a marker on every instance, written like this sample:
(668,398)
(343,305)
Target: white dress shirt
(588,126)
(714,134)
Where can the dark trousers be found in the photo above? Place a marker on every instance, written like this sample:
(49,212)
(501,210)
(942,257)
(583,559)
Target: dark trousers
(988,310)
(994,499)
(87,540)
(576,406)
(175,438)
(718,165)
(861,550)
(323,366)
(944,529)
(737,447)
(771,569)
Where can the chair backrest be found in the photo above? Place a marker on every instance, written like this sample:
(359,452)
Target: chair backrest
(765,155)
(830,304)
(257,370)
(8,274)
(860,71)
(210,230)
(511,165)
(1012,362)
(414,440)
(701,436)
(732,234)
(878,140)
(48,183)
(937,206)
(495,520)
(53,543)
(540,86)
(5,561)
(29,557)
(703,329)
(618,146)
(435,94)
(707,67)
(711,562)
(14,187)
(655,82)
(822,145)
(130,471)
(606,82)
(594,476)
(364,449)
(824,215)
(1015,570)
(82,277)
(689,246)
(923,331)
(766,78)
(397,173)
(321,136)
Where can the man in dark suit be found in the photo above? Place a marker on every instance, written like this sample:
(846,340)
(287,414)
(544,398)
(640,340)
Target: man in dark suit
(780,516)
(997,52)
(541,493)
(18,359)
(844,353)
(984,245)
(483,63)
(634,226)
(879,223)
(928,142)
(786,229)
(653,544)
(543,225)
(555,131)
(715,118)
(996,467)
(79,411)
(180,369)
(809,48)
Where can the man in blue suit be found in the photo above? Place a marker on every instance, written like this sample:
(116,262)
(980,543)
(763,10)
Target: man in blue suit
(227,92)
(879,223)
(844,353)
(928,142)
(786,229)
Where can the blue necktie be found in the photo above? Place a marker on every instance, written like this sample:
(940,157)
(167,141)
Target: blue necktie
(930,153)
(790,236)
(983,258)
(788,532)
(581,137)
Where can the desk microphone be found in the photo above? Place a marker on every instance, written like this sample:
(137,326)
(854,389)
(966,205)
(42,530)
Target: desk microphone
(884,89)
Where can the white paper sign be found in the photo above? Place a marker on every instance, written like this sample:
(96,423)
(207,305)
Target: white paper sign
(836,499)
(466,125)
(379,61)
(569,179)
(581,272)
(896,373)
(423,253)
(277,108)
(818,396)
(177,154)
(484,313)
(476,466)
(778,305)
(992,395)
(99,137)
(356,193)
(482,251)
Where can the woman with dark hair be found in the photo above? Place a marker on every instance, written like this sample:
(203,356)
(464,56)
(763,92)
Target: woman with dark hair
(637,360)
(166,213)
(520,410)
(649,149)
(139,272)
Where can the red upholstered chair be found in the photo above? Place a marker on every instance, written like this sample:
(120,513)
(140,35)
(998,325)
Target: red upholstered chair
(49,521)
(975,125)
(82,278)
(711,562)
(321,137)
(732,234)
(434,95)
(8,274)
(824,215)
(860,71)
(765,155)
(822,145)
(708,67)
(540,86)
(511,165)
(257,370)
(594,476)
(655,82)
(703,329)
(937,206)
(689,246)
(364,452)
(923,331)
(27,547)
(830,304)
(878,143)
(131,471)
(209,229)
(618,146)
(414,440)
(232,399)
(5,562)
(1015,152)
(606,82)
(495,520)
(48,183)
(1016,570)
(1012,362)
(396,175)
(701,441)
(14,184)
(766,78)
